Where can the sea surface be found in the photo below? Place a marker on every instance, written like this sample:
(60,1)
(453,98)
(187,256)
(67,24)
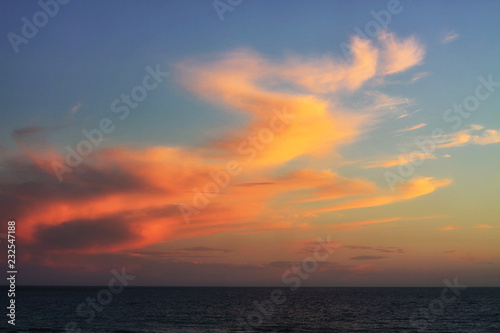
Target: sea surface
(228,309)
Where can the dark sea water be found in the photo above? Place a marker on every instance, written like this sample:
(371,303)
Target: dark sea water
(135,309)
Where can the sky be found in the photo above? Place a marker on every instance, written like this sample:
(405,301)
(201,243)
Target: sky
(251,143)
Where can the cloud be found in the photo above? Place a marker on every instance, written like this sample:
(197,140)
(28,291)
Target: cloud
(329,185)
(467,137)
(256,184)
(418,76)
(380,101)
(315,126)
(246,81)
(191,252)
(470,257)
(452,251)
(75,108)
(447,228)
(399,55)
(390,249)
(488,137)
(362,224)
(34,133)
(78,234)
(206,249)
(398,160)
(411,128)
(406,114)
(404,191)
(449,37)
(348,226)
(139,191)
(367,257)
(484,226)
(327,74)
(310,247)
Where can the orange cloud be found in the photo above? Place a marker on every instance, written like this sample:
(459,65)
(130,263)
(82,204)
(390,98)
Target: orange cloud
(451,227)
(313,126)
(413,188)
(245,81)
(403,159)
(364,224)
(466,137)
(328,75)
(484,226)
(361,224)
(131,198)
(412,128)
(400,55)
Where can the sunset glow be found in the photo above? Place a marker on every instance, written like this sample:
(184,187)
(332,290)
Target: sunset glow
(195,151)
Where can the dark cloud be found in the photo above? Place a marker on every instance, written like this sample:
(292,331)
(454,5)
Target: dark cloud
(204,248)
(367,257)
(81,234)
(310,247)
(23,178)
(169,254)
(102,232)
(290,264)
(190,252)
(283,264)
(36,132)
(389,249)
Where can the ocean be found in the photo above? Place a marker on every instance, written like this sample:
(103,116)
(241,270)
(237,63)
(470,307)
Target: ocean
(245,309)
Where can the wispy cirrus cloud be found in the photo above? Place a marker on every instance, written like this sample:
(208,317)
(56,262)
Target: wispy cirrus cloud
(449,36)
(418,77)
(75,108)
(381,101)
(411,128)
(475,134)
(348,226)
(414,188)
(398,160)
(400,54)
